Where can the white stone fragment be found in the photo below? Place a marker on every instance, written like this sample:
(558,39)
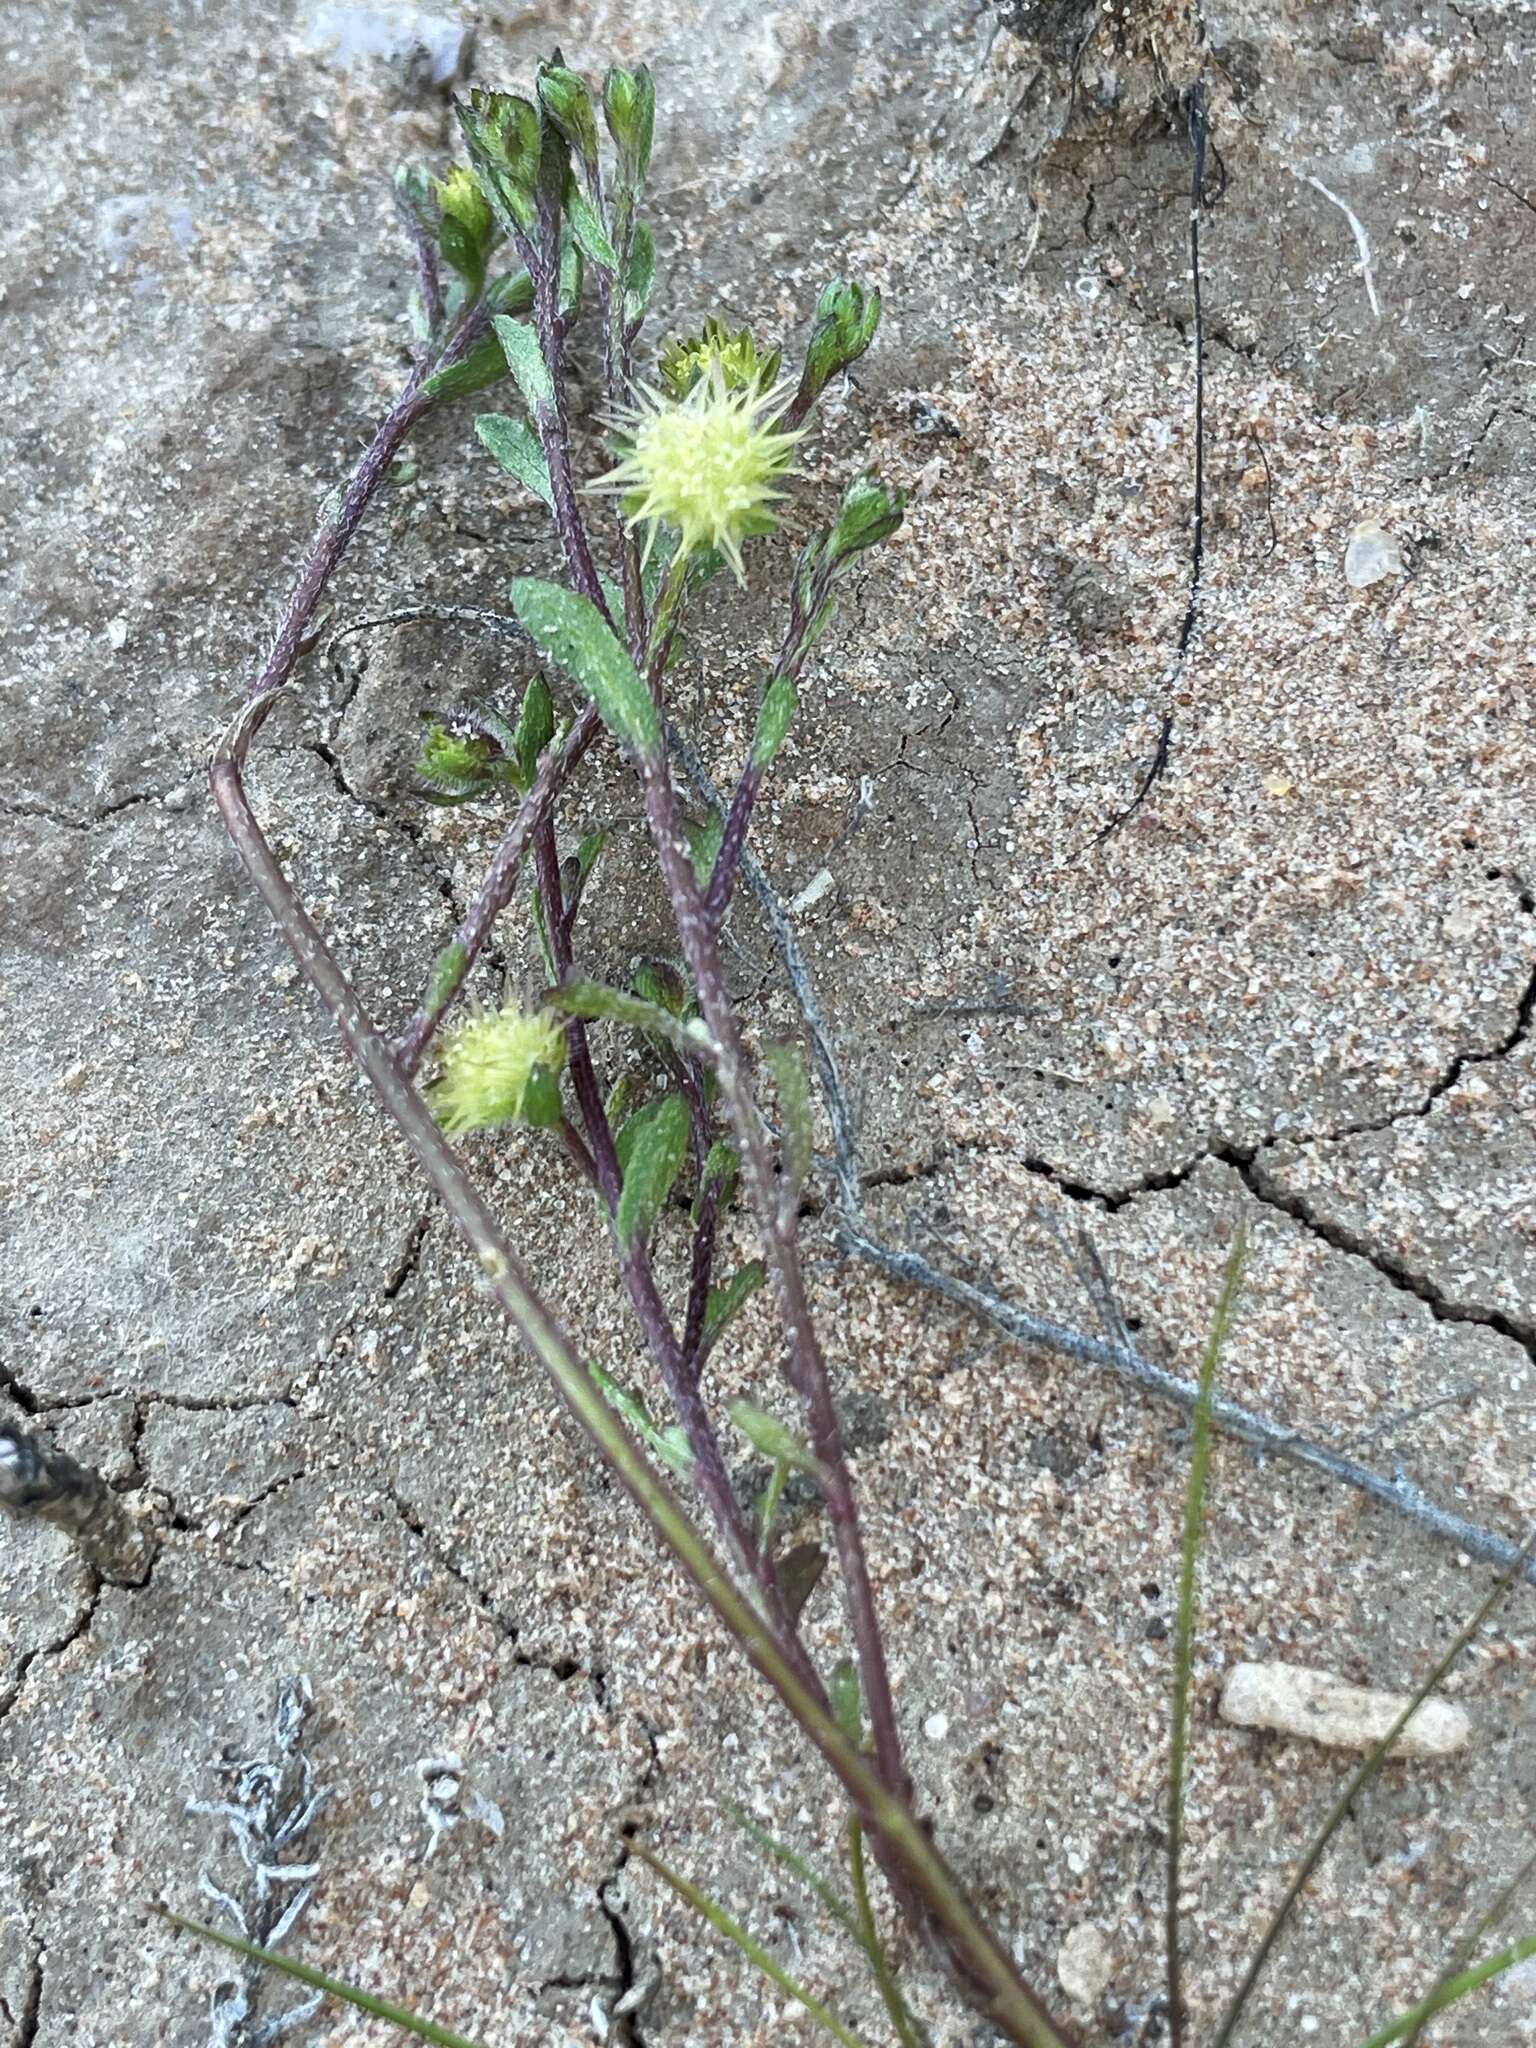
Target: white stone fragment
(1084,1965)
(1320,1706)
(430,48)
(1372,555)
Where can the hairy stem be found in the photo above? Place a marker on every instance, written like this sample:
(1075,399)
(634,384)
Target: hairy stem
(903,1838)
(495,892)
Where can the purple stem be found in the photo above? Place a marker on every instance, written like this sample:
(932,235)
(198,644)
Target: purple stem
(808,1368)
(495,892)
(699,1278)
(334,534)
(737,820)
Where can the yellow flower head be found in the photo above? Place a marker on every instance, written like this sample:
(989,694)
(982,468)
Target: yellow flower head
(706,465)
(489,1070)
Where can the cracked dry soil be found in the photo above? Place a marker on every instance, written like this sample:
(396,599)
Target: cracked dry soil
(1294,985)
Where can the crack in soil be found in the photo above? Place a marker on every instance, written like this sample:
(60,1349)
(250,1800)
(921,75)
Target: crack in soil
(79,1626)
(561,1669)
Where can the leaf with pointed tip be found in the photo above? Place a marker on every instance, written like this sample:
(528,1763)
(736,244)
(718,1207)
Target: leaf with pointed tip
(573,633)
(654,1165)
(727,1301)
(525,359)
(483,366)
(516,447)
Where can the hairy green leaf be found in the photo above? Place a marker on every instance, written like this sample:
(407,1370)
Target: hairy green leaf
(591,235)
(794,1090)
(654,1165)
(534,730)
(773,721)
(573,633)
(727,1301)
(483,366)
(515,446)
(525,359)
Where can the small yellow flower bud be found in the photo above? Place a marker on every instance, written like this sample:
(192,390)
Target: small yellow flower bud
(490,1070)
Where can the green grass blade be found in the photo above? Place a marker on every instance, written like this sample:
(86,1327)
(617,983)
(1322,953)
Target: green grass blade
(754,1952)
(908,2032)
(1447,1994)
(1184,1625)
(1356,1783)
(1465,1949)
(378,2008)
(792,1860)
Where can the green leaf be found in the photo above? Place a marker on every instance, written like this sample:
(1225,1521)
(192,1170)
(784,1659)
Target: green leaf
(541,933)
(1448,1994)
(773,721)
(543,1106)
(792,1860)
(630,1132)
(568,103)
(512,292)
(534,730)
(349,1994)
(571,273)
(641,275)
(654,1165)
(525,359)
(767,1434)
(575,636)
(578,998)
(462,251)
(794,1090)
(727,1301)
(847,1700)
(722,1165)
(670,1445)
(447,972)
(578,867)
(591,235)
(658,981)
(483,366)
(704,836)
(516,447)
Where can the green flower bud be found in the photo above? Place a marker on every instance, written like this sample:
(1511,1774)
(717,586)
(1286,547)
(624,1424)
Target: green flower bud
(870,512)
(685,360)
(846,319)
(566,100)
(505,137)
(457,764)
(629,108)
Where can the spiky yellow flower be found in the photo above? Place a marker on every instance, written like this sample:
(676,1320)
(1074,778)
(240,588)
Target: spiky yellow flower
(706,465)
(498,1067)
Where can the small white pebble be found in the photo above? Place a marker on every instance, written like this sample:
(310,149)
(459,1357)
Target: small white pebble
(936,1727)
(117,633)
(1320,1706)
(1084,1965)
(1372,555)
